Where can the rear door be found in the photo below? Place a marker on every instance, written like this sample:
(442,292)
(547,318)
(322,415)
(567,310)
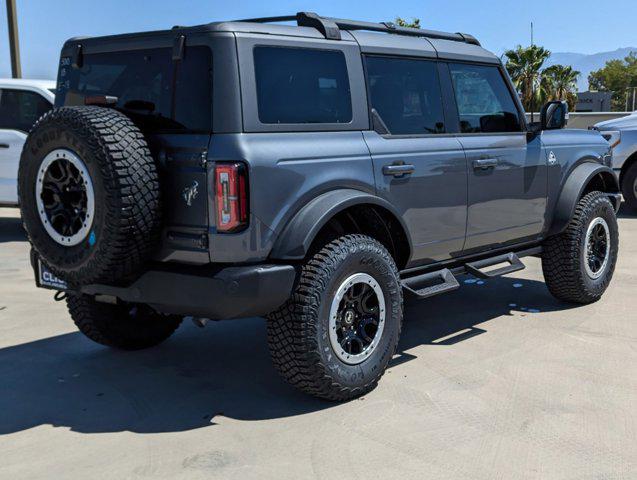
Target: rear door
(507,173)
(19,110)
(419,166)
(169,99)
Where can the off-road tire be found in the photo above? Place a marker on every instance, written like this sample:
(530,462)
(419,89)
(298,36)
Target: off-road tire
(629,186)
(564,255)
(298,336)
(122,326)
(125,181)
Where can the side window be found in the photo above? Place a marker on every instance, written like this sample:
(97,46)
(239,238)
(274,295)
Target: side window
(406,94)
(301,85)
(484,102)
(20,109)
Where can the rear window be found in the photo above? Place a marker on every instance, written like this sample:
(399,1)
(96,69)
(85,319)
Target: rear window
(301,85)
(156,93)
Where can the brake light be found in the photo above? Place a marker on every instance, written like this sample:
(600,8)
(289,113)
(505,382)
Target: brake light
(231,196)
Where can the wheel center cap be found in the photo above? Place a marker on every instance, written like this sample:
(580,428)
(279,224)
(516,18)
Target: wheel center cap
(348,317)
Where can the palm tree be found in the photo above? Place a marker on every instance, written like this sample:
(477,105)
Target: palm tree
(524,65)
(560,83)
(415,23)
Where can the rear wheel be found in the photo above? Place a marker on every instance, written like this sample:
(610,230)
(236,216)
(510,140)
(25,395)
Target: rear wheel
(629,186)
(337,333)
(125,326)
(578,264)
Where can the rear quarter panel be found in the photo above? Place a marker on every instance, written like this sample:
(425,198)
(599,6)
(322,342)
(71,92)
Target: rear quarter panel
(286,171)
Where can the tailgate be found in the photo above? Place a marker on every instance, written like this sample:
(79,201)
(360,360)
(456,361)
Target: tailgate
(182,160)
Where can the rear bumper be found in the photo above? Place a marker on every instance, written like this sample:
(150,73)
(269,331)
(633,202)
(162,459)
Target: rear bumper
(220,294)
(232,292)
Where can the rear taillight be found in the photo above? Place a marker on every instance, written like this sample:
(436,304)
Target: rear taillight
(231,196)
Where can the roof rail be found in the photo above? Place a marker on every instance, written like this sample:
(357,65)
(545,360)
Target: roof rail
(331,27)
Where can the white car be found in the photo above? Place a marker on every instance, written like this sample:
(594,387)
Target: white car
(22,102)
(621,133)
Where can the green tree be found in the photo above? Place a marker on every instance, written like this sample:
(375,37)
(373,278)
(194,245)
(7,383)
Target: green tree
(415,23)
(617,76)
(524,65)
(559,82)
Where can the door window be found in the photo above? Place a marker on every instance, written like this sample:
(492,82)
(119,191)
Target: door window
(302,85)
(20,109)
(406,94)
(485,104)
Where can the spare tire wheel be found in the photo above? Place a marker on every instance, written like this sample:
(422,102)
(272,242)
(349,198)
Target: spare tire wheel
(89,194)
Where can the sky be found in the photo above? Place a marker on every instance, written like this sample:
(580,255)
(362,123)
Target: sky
(581,26)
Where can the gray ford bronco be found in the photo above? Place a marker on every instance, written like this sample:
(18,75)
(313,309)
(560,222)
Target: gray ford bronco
(313,174)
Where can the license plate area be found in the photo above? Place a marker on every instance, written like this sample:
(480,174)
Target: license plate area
(46,279)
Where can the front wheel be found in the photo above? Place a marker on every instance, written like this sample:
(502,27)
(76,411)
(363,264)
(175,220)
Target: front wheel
(578,263)
(337,333)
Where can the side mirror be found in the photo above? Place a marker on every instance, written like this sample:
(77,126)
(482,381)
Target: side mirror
(554,115)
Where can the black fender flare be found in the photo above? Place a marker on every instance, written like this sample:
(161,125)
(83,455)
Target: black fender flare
(573,190)
(296,237)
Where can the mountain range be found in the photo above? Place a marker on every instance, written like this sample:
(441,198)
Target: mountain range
(588,63)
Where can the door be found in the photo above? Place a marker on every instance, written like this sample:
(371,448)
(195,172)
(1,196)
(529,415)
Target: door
(418,166)
(19,110)
(507,173)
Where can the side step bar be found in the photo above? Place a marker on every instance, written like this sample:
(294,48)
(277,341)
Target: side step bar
(433,283)
(430,284)
(514,265)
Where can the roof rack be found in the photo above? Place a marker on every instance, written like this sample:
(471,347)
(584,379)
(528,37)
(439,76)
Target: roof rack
(331,27)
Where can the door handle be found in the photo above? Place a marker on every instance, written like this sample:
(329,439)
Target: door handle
(485,163)
(398,170)
(4,145)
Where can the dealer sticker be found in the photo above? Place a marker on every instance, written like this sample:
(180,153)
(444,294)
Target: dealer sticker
(48,280)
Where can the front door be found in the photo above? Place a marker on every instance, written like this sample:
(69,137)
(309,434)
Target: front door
(418,167)
(19,110)
(507,173)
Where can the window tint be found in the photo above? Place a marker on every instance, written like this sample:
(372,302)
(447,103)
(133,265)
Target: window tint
(406,94)
(142,81)
(299,85)
(19,109)
(484,101)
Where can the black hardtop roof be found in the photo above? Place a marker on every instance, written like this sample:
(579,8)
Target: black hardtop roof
(372,37)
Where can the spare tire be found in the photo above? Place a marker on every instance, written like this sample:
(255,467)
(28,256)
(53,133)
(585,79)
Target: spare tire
(89,194)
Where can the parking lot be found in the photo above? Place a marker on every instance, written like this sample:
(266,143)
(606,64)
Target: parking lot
(496,380)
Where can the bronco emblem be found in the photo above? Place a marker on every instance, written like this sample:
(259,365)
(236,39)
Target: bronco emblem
(190,193)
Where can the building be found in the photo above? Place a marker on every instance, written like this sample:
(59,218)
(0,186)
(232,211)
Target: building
(594,102)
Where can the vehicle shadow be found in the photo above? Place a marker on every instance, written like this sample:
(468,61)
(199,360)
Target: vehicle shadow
(199,375)
(458,316)
(11,230)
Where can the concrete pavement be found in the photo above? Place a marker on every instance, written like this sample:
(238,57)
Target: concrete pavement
(496,380)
